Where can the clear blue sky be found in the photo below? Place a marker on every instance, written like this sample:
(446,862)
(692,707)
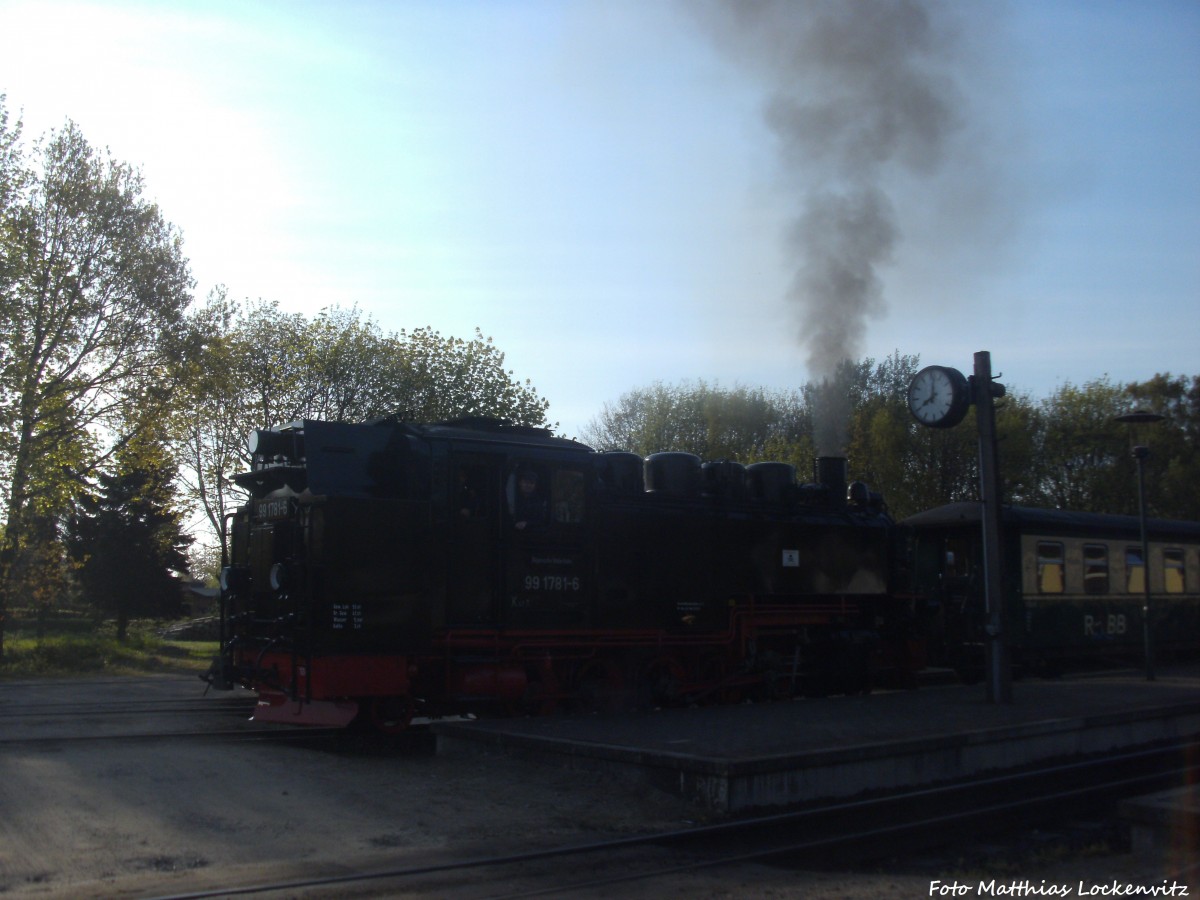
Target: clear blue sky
(595,185)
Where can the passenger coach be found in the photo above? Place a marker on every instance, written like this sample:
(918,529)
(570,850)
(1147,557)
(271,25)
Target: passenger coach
(1074,585)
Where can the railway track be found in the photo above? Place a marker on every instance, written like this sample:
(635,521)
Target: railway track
(820,836)
(75,709)
(281,734)
(82,720)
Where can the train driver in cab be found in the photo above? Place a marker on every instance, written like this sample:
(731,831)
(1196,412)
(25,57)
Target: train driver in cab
(528,503)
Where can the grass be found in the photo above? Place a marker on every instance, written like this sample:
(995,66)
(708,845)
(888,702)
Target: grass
(76,645)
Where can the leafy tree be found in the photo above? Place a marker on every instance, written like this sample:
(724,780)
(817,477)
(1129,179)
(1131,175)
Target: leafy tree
(865,408)
(432,377)
(207,423)
(93,284)
(128,541)
(914,467)
(1173,466)
(255,366)
(343,372)
(712,422)
(1082,461)
(42,569)
(12,171)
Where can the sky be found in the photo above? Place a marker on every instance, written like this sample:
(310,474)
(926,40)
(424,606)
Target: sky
(620,192)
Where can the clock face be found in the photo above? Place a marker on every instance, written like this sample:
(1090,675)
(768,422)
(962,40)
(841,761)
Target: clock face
(938,396)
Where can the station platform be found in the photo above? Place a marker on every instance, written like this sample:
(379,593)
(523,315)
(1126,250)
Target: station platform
(754,756)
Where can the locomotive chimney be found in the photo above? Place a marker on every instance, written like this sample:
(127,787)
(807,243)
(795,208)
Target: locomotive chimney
(831,472)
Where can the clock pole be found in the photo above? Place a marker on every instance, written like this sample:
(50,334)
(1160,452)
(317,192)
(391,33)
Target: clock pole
(984,391)
(938,397)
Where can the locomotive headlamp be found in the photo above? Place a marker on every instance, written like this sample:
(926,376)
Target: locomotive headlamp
(278,577)
(257,440)
(275,442)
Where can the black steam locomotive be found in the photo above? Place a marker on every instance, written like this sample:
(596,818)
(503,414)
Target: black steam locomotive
(388,570)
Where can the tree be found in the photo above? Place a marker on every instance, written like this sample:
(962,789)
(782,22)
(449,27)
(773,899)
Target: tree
(693,417)
(914,467)
(1082,461)
(861,411)
(42,569)
(93,285)
(207,423)
(252,366)
(12,170)
(430,377)
(128,541)
(1173,467)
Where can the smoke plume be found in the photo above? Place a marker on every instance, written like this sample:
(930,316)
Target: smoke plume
(865,100)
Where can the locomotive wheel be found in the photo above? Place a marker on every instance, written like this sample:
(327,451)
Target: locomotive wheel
(600,687)
(662,681)
(716,671)
(535,701)
(391,715)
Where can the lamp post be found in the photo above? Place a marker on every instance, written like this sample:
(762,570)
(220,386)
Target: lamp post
(1139,419)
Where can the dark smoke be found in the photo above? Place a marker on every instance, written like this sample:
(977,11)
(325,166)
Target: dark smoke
(842,237)
(864,97)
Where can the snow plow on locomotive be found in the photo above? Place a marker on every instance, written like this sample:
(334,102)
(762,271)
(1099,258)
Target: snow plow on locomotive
(388,570)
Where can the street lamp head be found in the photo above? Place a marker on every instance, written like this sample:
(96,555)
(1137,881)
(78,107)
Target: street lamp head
(1140,420)
(1140,417)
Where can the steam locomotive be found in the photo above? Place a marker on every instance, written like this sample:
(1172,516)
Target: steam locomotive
(381,571)
(388,570)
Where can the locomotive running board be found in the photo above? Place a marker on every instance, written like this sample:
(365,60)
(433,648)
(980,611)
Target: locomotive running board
(277,708)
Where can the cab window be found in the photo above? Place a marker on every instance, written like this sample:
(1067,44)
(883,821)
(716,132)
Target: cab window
(958,557)
(540,495)
(527,496)
(1050,567)
(471,491)
(567,496)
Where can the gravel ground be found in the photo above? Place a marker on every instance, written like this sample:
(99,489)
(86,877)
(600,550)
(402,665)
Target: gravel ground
(136,818)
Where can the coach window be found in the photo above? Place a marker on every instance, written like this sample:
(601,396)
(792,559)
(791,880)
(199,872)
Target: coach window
(1095,569)
(1135,571)
(1050,567)
(1174,580)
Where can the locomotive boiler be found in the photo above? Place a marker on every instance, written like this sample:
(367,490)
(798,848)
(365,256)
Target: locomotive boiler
(381,571)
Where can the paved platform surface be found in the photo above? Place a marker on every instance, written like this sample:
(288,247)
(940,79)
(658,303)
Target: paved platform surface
(769,754)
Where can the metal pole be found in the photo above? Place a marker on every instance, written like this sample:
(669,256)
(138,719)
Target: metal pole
(1140,454)
(1139,419)
(999,684)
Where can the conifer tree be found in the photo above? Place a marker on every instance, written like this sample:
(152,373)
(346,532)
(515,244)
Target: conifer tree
(128,540)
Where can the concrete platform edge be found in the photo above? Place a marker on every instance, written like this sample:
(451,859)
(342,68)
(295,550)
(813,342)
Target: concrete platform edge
(734,784)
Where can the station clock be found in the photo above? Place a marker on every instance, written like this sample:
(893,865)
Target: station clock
(938,396)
